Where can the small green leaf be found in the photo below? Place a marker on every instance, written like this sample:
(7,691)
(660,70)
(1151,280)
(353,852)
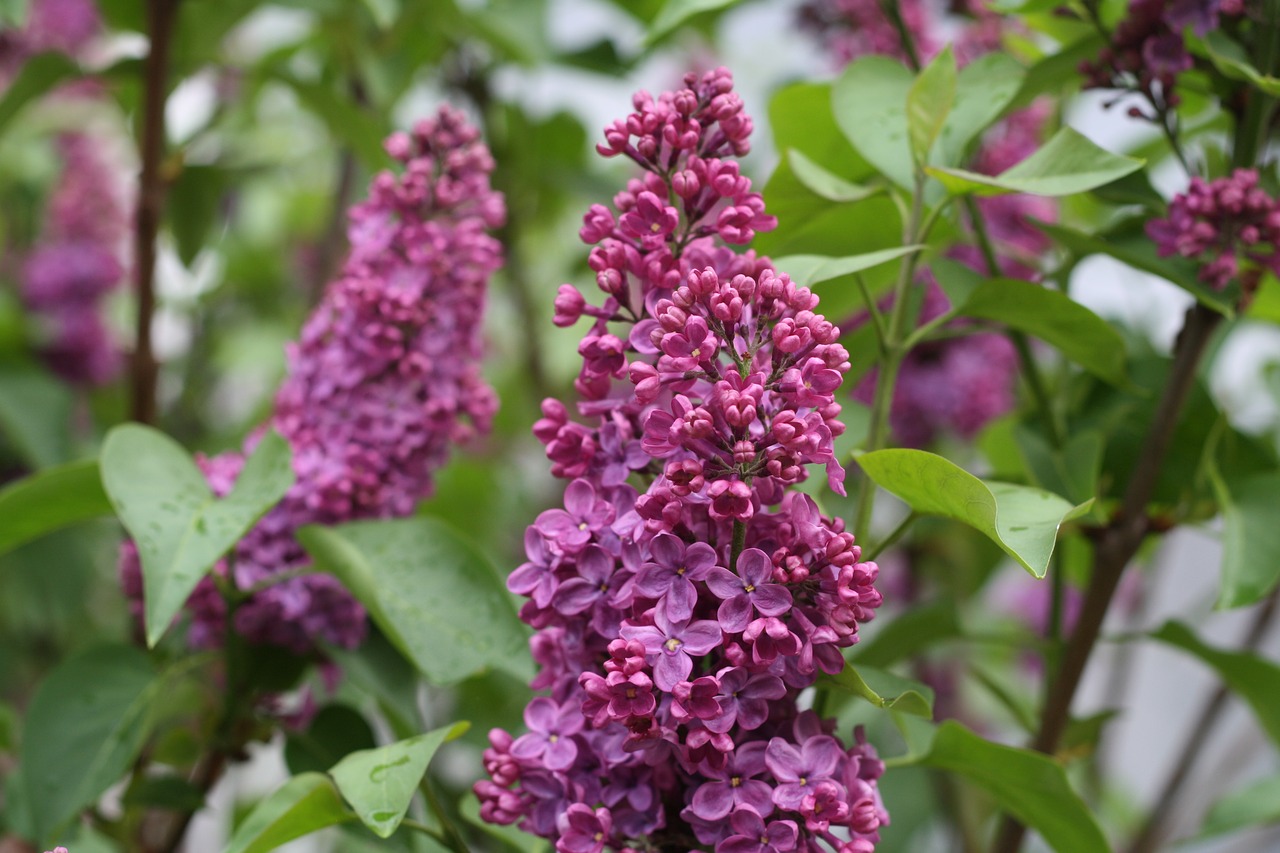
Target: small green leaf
(1231,59)
(1068,163)
(336,730)
(1071,471)
(1255,679)
(50,500)
(167,507)
(1254,805)
(193,208)
(984,89)
(35,409)
(810,270)
(929,102)
(1030,786)
(305,804)
(676,12)
(1021,520)
(379,783)
(1139,252)
(433,594)
(1250,537)
(85,726)
(37,75)
(1056,319)
(869,101)
(824,183)
(885,690)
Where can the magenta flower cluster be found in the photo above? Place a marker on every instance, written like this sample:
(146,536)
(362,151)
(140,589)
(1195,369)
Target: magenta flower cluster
(77,264)
(848,29)
(684,595)
(383,382)
(1219,224)
(67,26)
(1147,51)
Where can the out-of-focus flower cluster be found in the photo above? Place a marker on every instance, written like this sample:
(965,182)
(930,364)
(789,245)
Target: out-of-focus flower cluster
(1147,51)
(77,263)
(383,381)
(1221,223)
(683,597)
(66,26)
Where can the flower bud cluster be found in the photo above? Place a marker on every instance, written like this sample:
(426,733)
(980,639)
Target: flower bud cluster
(384,380)
(1219,224)
(77,264)
(1147,51)
(684,596)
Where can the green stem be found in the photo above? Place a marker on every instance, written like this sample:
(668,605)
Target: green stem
(892,537)
(873,310)
(418,826)
(738,544)
(452,838)
(1039,391)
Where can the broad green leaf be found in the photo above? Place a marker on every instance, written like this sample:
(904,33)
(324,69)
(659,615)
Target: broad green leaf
(432,593)
(180,528)
(50,500)
(1068,163)
(305,804)
(1056,319)
(361,129)
(1030,786)
(915,630)
(1071,471)
(1250,537)
(824,183)
(1255,679)
(1231,59)
(1139,252)
(13,13)
(377,668)
(676,12)
(379,783)
(984,89)
(37,75)
(801,119)
(84,728)
(885,690)
(1023,521)
(929,102)
(35,410)
(1253,805)
(193,208)
(815,269)
(869,101)
(1265,304)
(334,732)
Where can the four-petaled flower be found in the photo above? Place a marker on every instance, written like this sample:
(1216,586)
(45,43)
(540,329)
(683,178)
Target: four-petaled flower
(752,587)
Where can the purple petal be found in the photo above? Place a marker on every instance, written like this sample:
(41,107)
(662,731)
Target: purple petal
(654,580)
(575,596)
(667,550)
(735,613)
(579,498)
(680,599)
(724,583)
(560,754)
(671,669)
(772,599)
(701,637)
(783,760)
(755,567)
(713,800)
(757,795)
(541,714)
(647,634)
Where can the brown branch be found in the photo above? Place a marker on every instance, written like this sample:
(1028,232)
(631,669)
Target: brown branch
(161,15)
(1117,543)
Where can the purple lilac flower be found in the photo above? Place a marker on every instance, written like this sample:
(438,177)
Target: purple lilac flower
(1231,226)
(684,596)
(848,29)
(76,264)
(383,382)
(66,26)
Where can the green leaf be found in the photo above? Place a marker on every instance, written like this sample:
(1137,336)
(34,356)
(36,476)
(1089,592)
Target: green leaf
(361,129)
(1253,805)
(1253,678)
(303,805)
(929,102)
(869,101)
(1068,163)
(336,730)
(432,593)
(676,12)
(193,208)
(984,88)
(85,726)
(37,75)
(379,783)
(1071,471)
(1056,319)
(50,500)
(13,13)
(915,630)
(1023,521)
(801,119)
(1058,72)
(1030,786)
(1139,251)
(35,410)
(167,507)
(1232,60)
(815,269)
(1250,537)
(825,184)
(885,690)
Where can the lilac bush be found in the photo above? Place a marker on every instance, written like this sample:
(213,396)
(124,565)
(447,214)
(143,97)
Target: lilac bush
(686,595)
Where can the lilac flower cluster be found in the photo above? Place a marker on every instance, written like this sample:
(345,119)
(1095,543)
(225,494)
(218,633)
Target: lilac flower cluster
(76,264)
(953,386)
(1147,51)
(683,597)
(67,26)
(849,29)
(384,380)
(1220,223)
